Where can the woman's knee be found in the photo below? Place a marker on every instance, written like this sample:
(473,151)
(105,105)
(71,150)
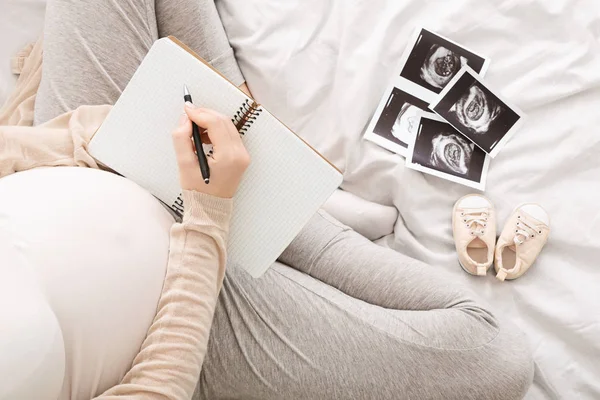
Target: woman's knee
(310,242)
(500,369)
(511,362)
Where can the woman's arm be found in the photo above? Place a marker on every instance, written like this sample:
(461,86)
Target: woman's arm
(61,141)
(169,362)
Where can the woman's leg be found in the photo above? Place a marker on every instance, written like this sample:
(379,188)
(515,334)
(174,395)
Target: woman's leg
(92,48)
(353,320)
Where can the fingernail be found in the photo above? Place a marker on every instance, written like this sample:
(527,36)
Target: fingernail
(189,105)
(183,119)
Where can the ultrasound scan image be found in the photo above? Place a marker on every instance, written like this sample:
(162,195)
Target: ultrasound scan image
(405,121)
(440,66)
(475,110)
(451,152)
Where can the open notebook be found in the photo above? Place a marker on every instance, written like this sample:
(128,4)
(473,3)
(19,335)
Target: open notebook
(284,186)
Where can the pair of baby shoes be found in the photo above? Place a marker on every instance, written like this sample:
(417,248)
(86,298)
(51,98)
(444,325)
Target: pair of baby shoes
(521,241)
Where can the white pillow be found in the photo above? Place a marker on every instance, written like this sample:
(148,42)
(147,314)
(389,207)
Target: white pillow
(95,245)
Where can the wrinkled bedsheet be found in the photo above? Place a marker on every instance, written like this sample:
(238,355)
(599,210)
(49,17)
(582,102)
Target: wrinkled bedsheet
(21,22)
(322,66)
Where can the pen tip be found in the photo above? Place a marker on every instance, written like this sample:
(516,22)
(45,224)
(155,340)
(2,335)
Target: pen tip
(186,92)
(206,181)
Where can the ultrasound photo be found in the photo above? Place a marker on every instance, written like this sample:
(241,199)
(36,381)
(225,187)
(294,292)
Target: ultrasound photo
(438,149)
(396,123)
(434,60)
(476,112)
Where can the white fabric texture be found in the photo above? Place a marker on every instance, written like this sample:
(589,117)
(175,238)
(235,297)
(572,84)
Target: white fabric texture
(322,66)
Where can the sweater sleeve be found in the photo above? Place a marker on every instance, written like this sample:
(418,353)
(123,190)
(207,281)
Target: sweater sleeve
(169,362)
(62,142)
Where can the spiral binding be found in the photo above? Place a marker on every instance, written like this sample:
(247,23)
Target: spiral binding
(177,206)
(245,116)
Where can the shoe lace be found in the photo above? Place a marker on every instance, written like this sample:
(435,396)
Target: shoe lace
(476,221)
(524,231)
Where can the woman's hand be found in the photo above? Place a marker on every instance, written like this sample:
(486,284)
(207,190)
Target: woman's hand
(228,161)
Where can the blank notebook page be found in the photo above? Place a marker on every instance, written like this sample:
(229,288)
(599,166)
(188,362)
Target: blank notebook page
(284,186)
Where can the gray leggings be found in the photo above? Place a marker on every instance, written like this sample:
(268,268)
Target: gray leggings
(337,317)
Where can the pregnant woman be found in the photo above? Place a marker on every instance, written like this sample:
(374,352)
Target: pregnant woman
(337,317)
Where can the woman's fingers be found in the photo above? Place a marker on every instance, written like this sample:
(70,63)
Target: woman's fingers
(215,124)
(235,135)
(182,141)
(231,129)
(230,156)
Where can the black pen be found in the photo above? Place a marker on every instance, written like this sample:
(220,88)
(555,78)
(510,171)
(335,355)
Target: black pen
(198,141)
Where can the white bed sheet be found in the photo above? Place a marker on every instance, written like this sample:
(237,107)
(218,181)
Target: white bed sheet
(21,22)
(322,66)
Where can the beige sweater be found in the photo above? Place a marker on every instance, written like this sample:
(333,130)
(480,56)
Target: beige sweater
(169,361)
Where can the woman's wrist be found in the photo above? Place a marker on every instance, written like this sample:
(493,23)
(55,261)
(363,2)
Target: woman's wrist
(201,206)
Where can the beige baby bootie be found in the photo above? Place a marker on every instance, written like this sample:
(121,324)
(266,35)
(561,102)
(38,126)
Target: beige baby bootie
(474,229)
(522,239)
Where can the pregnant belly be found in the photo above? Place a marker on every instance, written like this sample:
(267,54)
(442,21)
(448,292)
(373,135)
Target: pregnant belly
(97,244)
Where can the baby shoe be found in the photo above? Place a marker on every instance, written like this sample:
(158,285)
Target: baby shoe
(522,239)
(474,229)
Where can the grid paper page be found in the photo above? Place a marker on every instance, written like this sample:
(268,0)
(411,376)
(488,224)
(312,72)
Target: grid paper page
(284,186)
(135,139)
